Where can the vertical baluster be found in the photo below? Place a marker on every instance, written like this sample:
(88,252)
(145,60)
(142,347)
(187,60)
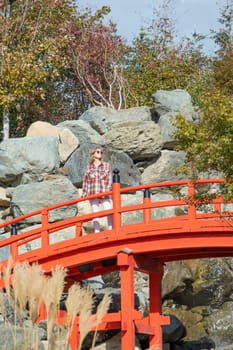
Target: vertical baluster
(116,198)
(44,231)
(147,211)
(191,204)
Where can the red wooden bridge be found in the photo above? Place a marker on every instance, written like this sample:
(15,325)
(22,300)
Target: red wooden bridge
(189,233)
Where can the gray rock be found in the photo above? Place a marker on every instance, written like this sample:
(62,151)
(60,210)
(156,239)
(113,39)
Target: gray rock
(167,130)
(102,118)
(99,118)
(164,169)
(4,251)
(34,196)
(174,331)
(174,101)
(83,131)
(32,155)
(175,277)
(21,336)
(129,174)
(205,343)
(140,140)
(10,172)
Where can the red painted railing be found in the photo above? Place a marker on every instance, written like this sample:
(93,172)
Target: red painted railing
(43,231)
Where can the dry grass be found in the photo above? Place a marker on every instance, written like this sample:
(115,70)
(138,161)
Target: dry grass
(20,287)
(2,306)
(52,294)
(31,287)
(73,306)
(36,282)
(6,277)
(85,322)
(27,287)
(80,301)
(101,311)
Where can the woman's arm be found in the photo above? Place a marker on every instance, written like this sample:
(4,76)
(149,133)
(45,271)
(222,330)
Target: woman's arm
(109,178)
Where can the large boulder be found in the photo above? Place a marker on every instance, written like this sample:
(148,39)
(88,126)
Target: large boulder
(140,140)
(176,276)
(83,131)
(40,128)
(167,130)
(175,101)
(10,171)
(4,200)
(103,119)
(219,324)
(34,156)
(164,169)
(67,145)
(34,196)
(174,331)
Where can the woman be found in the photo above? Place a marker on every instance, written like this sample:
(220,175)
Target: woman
(98,179)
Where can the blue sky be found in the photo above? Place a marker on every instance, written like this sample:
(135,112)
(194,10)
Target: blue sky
(189,15)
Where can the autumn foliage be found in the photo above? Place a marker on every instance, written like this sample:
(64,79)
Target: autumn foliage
(93,54)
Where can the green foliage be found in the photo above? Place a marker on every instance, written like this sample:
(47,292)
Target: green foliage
(30,39)
(158,61)
(223,37)
(222,64)
(208,145)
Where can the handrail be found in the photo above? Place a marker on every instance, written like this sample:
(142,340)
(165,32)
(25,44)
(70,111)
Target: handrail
(122,191)
(49,208)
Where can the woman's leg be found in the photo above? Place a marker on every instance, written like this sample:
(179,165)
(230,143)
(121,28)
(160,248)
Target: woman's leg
(107,204)
(95,206)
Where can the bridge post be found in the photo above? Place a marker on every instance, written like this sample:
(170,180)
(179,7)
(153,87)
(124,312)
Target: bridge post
(126,264)
(42,312)
(116,198)
(155,287)
(147,211)
(44,232)
(14,229)
(14,246)
(191,205)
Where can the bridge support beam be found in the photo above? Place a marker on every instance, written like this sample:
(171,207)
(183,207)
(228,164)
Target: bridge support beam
(155,288)
(126,265)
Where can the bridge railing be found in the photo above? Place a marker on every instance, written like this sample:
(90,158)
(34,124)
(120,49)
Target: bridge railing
(185,197)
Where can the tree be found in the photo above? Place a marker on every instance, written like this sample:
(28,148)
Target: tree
(208,145)
(56,61)
(94,54)
(222,64)
(158,61)
(29,38)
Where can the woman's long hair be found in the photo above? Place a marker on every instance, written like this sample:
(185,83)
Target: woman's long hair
(92,158)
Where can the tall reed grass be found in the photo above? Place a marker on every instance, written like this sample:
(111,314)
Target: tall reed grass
(27,287)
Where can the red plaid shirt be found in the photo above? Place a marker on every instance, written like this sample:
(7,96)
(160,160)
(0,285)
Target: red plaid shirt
(97,179)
